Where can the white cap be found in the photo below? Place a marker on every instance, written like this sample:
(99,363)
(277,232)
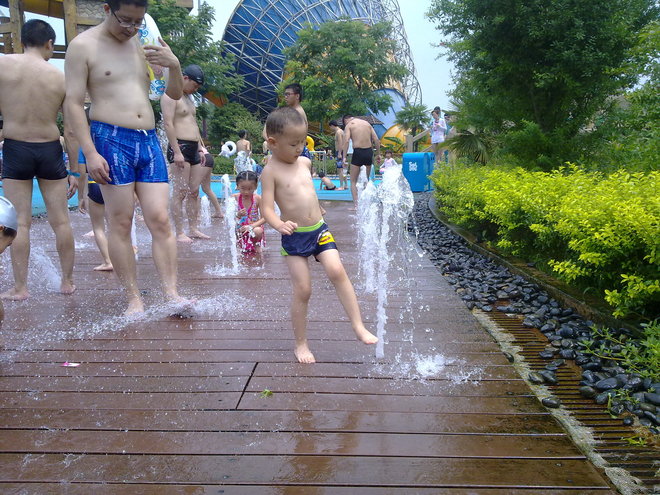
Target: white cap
(8,216)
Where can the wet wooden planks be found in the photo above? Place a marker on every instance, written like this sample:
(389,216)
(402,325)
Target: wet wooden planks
(214,404)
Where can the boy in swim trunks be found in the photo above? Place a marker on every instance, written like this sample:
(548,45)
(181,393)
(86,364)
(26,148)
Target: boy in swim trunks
(287,180)
(121,147)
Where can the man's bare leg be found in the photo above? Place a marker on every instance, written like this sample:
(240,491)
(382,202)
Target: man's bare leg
(19,192)
(180,180)
(192,202)
(206,187)
(346,293)
(119,212)
(154,199)
(301,283)
(355,173)
(54,194)
(97,215)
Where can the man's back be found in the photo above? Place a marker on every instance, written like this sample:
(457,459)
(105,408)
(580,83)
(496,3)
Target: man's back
(31,93)
(360,133)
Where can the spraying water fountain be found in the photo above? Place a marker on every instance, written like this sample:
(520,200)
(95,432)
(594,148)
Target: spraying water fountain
(383,214)
(228,233)
(204,212)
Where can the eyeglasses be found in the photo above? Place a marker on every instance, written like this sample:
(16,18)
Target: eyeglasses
(286,93)
(126,24)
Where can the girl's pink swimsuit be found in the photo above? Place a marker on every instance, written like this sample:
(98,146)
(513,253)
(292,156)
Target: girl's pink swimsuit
(246,242)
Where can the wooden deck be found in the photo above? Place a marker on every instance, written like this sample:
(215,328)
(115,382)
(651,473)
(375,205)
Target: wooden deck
(168,405)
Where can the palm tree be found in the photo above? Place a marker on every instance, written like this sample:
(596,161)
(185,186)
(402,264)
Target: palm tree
(412,118)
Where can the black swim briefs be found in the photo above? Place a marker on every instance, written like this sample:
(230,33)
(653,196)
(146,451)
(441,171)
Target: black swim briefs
(24,161)
(362,157)
(189,150)
(209,160)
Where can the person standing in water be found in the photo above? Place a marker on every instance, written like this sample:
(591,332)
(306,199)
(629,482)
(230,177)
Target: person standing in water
(121,146)
(31,94)
(185,153)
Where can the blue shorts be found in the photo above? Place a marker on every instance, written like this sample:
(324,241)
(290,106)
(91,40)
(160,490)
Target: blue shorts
(133,155)
(306,153)
(308,241)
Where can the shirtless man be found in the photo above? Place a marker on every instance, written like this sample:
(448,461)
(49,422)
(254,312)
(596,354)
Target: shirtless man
(121,146)
(364,140)
(185,154)
(339,149)
(31,94)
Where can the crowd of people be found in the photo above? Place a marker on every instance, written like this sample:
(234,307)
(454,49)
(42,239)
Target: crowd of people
(123,165)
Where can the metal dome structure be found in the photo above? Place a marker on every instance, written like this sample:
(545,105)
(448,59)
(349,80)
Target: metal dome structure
(258,31)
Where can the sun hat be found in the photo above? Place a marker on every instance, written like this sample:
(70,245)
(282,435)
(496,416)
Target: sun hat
(8,216)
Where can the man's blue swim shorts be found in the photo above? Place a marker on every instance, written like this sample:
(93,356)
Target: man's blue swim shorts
(133,155)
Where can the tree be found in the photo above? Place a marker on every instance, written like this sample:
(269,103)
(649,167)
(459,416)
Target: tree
(550,63)
(340,64)
(191,40)
(412,118)
(226,121)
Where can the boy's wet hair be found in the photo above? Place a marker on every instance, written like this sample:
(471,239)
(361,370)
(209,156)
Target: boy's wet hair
(36,33)
(242,133)
(248,175)
(116,4)
(281,118)
(321,174)
(296,88)
(9,232)
(389,151)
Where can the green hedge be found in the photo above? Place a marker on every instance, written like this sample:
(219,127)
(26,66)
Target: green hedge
(589,229)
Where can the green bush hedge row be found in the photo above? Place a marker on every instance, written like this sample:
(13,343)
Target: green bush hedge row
(592,230)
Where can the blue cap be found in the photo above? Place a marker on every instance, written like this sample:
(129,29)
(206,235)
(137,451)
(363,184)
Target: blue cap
(8,216)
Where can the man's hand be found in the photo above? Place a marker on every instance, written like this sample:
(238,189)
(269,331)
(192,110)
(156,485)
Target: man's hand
(72,187)
(98,169)
(161,55)
(287,228)
(179,161)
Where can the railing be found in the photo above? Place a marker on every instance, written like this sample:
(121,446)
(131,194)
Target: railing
(411,140)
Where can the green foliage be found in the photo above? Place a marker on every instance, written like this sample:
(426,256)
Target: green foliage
(641,356)
(635,441)
(551,63)
(393,144)
(223,165)
(340,64)
(412,118)
(591,230)
(191,40)
(476,147)
(226,121)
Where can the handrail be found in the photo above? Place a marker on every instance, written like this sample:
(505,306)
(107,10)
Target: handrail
(411,140)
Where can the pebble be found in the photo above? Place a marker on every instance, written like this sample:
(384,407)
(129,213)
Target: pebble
(551,402)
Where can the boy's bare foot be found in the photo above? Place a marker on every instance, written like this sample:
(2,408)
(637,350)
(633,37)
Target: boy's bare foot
(196,234)
(365,336)
(67,288)
(89,234)
(14,295)
(183,238)
(103,267)
(303,354)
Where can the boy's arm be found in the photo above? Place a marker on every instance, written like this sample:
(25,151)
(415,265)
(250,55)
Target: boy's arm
(268,204)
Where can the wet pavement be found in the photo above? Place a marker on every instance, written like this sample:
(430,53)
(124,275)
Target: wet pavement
(215,403)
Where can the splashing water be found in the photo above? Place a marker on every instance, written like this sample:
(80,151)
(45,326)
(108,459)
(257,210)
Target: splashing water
(205,212)
(383,214)
(228,233)
(43,270)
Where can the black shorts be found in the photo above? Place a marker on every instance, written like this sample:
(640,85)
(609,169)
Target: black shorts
(94,193)
(25,161)
(362,156)
(209,160)
(189,150)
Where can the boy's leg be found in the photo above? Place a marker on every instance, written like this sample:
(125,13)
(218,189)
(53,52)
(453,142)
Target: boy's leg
(192,201)
(301,284)
(154,197)
(180,189)
(54,194)
(119,212)
(19,192)
(97,216)
(338,276)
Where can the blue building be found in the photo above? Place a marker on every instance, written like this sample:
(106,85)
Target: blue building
(258,31)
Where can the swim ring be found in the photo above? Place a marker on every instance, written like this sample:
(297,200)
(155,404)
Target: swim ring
(148,35)
(228,149)
(310,143)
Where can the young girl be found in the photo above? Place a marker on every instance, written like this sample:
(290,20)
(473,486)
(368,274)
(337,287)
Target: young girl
(249,228)
(389,161)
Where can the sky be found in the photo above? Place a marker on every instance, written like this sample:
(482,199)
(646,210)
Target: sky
(433,73)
